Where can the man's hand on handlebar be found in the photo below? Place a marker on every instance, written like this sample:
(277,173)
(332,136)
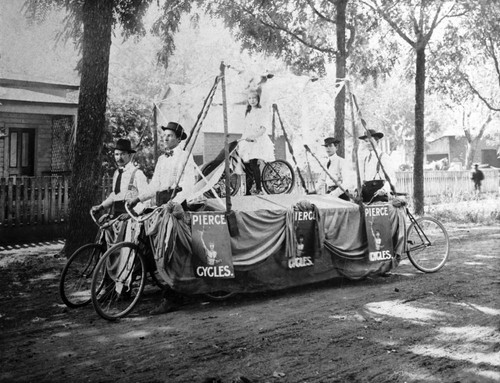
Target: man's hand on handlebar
(96,209)
(132,202)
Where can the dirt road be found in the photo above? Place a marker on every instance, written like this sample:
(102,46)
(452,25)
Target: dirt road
(407,327)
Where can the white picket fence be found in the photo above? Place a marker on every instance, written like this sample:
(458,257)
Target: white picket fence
(436,182)
(442,182)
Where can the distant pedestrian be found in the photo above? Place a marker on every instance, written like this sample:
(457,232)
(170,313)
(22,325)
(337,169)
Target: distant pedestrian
(477,177)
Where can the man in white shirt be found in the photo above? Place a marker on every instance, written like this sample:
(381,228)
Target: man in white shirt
(174,172)
(173,179)
(128,180)
(336,167)
(372,170)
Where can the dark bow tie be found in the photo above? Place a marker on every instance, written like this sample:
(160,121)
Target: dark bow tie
(169,153)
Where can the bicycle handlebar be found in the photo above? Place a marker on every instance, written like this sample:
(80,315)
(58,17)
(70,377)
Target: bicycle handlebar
(104,225)
(137,217)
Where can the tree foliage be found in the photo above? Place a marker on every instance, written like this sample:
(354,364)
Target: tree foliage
(91,22)
(415,22)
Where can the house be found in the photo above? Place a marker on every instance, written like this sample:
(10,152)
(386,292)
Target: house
(454,148)
(37,120)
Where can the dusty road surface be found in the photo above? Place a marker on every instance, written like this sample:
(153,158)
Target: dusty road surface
(407,327)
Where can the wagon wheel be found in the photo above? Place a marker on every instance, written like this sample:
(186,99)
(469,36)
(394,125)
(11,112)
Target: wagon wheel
(220,186)
(278,177)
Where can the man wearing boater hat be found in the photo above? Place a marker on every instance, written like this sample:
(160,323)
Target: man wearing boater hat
(128,180)
(170,179)
(371,169)
(336,167)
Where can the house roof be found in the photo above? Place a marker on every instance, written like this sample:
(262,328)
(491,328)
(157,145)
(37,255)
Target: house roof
(33,83)
(11,77)
(26,95)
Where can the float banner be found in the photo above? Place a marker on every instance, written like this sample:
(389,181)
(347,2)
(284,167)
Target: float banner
(305,239)
(211,246)
(378,232)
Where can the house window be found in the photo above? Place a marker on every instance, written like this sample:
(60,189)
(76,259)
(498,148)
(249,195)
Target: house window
(21,152)
(13,150)
(25,150)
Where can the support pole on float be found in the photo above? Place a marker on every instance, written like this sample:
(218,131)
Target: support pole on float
(355,136)
(230,215)
(155,132)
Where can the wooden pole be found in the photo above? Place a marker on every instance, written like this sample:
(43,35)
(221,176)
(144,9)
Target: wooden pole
(232,223)
(355,136)
(226,134)
(155,133)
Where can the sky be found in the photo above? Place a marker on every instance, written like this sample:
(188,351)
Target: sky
(30,51)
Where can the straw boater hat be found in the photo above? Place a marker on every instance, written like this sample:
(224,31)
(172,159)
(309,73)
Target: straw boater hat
(124,145)
(177,129)
(373,133)
(331,140)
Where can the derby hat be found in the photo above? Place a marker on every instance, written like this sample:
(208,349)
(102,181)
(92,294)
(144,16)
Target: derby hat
(177,129)
(373,133)
(124,145)
(331,140)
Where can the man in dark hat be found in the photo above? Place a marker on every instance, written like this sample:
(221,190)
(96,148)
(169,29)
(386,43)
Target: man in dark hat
(128,180)
(173,180)
(336,167)
(477,176)
(174,175)
(375,172)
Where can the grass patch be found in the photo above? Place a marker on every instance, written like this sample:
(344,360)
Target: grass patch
(483,210)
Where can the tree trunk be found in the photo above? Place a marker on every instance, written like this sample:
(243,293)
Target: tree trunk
(418,159)
(472,144)
(340,72)
(87,170)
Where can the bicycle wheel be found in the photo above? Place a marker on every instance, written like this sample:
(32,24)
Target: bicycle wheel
(76,277)
(220,186)
(428,244)
(118,281)
(278,177)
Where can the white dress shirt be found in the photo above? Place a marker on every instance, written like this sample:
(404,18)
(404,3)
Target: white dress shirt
(127,191)
(337,168)
(168,170)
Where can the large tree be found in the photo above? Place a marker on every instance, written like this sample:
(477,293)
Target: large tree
(91,23)
(467,71)
(306,35)
(415,21)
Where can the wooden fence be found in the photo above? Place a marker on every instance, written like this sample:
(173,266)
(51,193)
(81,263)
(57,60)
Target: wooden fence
(44,200)
(37,200)
(436,182)
(451,183)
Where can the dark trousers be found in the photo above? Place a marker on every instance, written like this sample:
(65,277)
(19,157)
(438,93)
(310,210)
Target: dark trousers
(252,171)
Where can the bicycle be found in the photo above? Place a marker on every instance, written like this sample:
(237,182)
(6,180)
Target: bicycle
(76,277)
(277,176)
(427,242)
(119,278)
